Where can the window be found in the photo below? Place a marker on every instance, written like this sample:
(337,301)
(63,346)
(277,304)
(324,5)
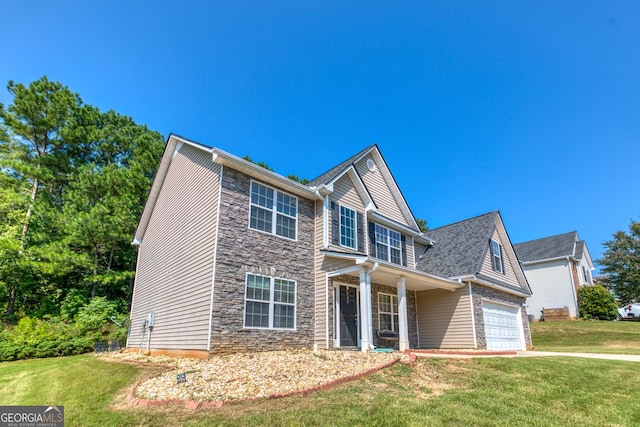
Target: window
(388,244)
(496,257)
(273,211)
(347,227)
(269,302)
(387,312)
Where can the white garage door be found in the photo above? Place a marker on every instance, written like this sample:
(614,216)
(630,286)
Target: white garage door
(501,327)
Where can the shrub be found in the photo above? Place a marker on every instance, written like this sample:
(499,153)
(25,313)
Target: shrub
(596,302)
(32,337)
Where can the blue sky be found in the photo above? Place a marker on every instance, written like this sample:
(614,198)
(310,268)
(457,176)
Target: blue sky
(529,107)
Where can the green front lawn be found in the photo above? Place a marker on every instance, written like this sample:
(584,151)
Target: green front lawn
(587,336)
(523,391)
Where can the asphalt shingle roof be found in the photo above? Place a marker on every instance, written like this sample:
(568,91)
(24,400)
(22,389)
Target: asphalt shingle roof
(459,247)
(336,170)
(557,246)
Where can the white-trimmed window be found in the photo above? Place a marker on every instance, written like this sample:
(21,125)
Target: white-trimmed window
(388,312)
(388,244)
(496,257)
(348,230)
(270,302)
(273,211)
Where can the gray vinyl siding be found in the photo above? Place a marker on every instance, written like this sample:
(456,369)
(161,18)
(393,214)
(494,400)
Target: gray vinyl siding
(444,319)
(509,275)
(321,297)
(175,259)
(380,191)
(345,194)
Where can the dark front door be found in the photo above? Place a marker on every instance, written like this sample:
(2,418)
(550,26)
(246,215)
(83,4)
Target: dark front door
(348,316)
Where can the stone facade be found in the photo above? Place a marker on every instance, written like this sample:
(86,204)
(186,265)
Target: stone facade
(241,250)
(478,293)
(411,316)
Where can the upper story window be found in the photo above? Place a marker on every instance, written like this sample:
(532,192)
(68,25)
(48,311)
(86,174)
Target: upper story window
(388,244)
(387,312)
(496,257)
(586,274)
(270,302)
(273,211)
(348,230)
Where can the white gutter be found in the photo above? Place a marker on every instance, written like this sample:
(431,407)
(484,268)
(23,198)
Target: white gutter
(473,278)
(393,224)
(539,261)
(224,158)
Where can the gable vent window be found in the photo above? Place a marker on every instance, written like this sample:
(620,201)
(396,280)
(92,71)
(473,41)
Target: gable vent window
(273,211)
(496,257)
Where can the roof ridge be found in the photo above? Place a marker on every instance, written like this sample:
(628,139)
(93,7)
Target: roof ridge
(463,220)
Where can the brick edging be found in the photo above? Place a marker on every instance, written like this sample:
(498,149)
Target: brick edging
(465,352)
(193,405)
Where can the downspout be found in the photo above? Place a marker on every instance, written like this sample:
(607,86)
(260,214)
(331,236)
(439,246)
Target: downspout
(325,222)
(573,285)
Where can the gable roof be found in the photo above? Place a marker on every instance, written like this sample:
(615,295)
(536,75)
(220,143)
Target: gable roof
(332,173)
(459,247)
(558,246)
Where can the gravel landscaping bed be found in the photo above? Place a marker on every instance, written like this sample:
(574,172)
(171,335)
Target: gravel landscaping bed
(253,375)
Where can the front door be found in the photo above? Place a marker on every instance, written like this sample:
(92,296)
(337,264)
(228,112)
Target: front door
(348,316)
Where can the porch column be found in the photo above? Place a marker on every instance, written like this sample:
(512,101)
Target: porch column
(403,326)
(367,281)
(363,319)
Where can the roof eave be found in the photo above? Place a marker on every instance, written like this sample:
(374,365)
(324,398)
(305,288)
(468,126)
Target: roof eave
(227,159)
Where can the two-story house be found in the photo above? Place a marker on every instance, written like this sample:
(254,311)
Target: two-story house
(556,267)
(234,257)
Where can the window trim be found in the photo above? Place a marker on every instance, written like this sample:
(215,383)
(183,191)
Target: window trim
(274,211)
(388,244)
(355,226)
(271,303)
(497,257)
(395,327)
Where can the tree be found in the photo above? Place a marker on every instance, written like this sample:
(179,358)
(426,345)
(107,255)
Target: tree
(621,264)
(34,156)
(73,183)
(596,302)
(422,223)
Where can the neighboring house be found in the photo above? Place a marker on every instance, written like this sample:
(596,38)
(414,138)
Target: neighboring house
(234,257)
(556,267)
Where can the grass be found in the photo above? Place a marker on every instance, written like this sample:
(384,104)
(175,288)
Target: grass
(587,336)
(433,392)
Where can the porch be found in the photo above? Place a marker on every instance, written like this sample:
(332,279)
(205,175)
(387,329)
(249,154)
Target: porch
(371,299)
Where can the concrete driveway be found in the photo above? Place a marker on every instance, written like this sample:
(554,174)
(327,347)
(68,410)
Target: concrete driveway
(622,357)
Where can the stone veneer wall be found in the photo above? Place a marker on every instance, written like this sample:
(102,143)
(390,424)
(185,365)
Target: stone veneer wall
(478,293)
(242,250)
(411,316)
(375,289)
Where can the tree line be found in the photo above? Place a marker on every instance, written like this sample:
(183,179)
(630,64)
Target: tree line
(73,183)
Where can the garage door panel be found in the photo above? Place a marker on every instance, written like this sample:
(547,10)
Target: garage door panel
(501,327)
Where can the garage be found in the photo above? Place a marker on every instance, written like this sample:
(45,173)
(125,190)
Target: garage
(501,327)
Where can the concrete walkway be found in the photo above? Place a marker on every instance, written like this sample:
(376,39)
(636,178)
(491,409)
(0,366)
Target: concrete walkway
(622,357)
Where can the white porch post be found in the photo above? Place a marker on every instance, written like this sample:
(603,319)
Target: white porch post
(402,315)
(363,319)
(367,281)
